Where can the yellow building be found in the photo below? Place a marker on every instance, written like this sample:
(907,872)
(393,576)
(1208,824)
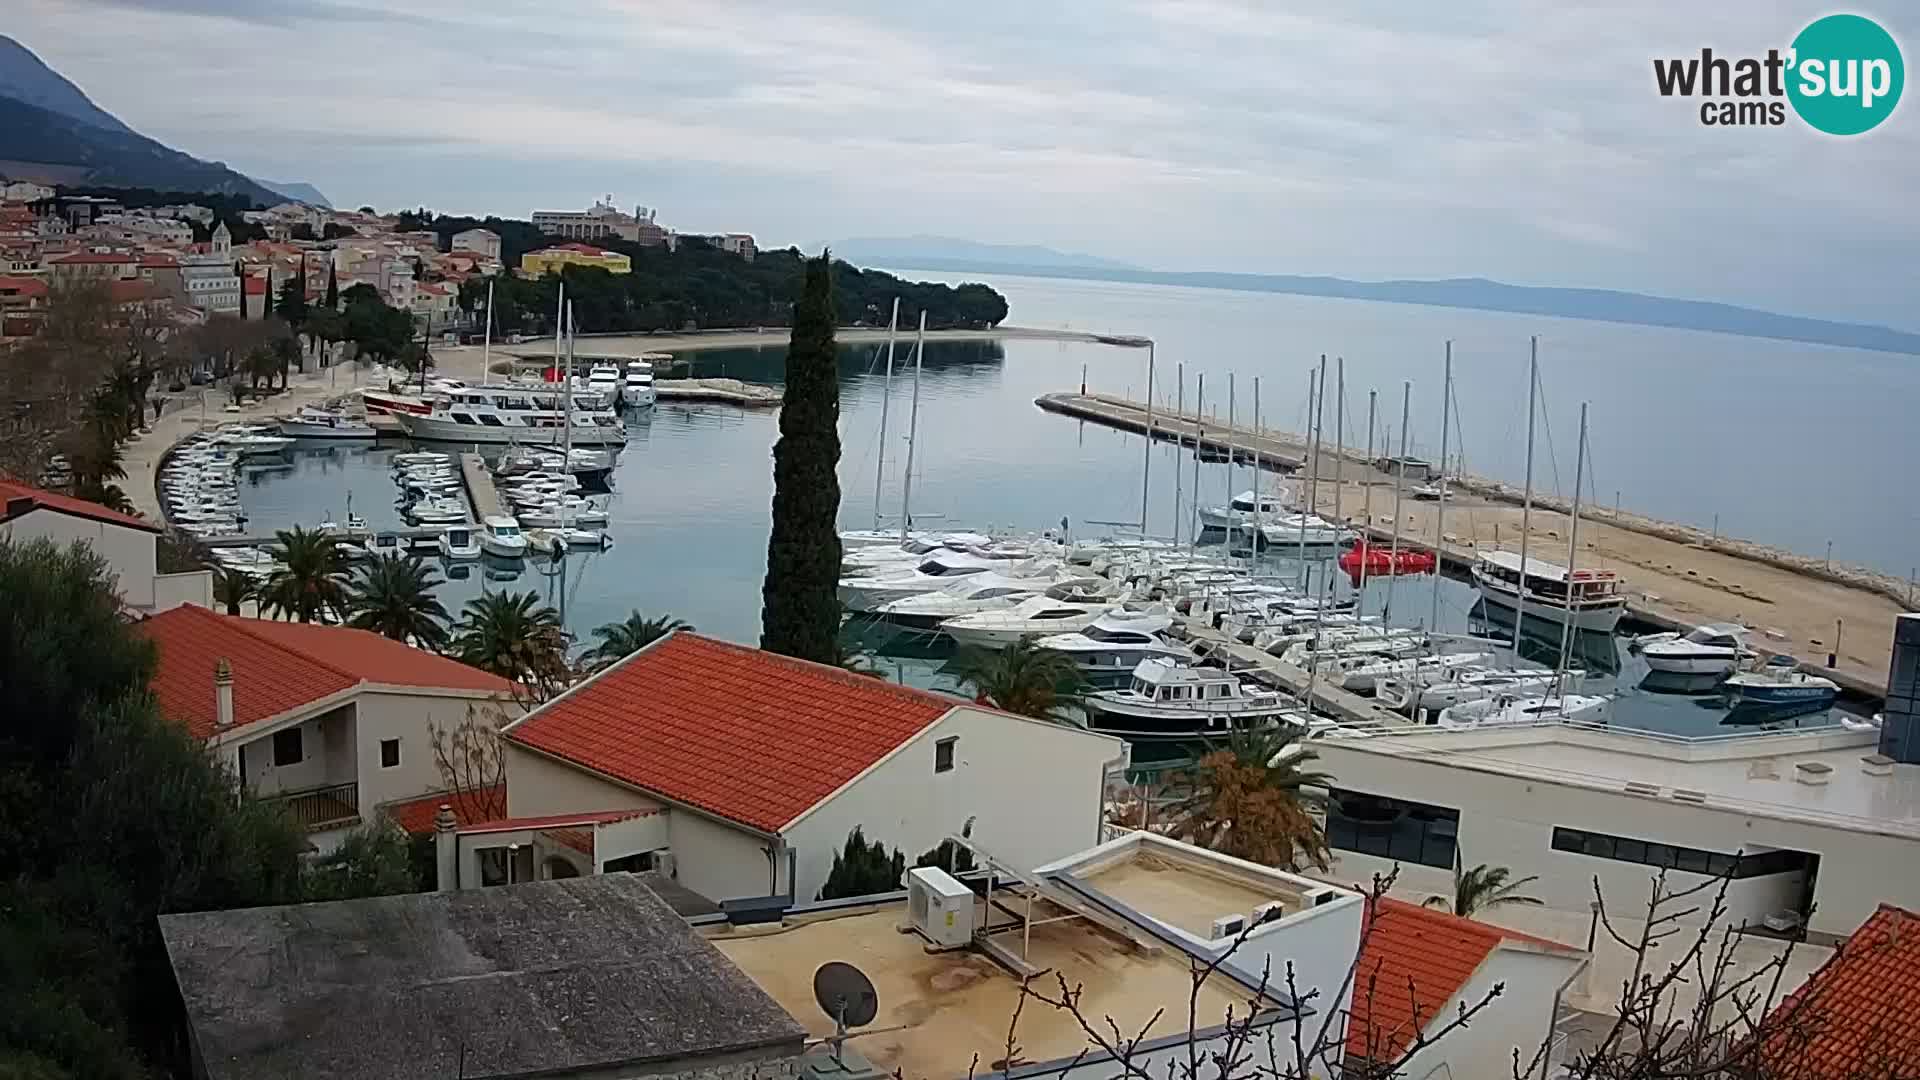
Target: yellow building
(551,260)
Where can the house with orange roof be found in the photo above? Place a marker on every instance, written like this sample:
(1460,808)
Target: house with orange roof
(335,722)
(126,543)
(754,767)
(1859,1015)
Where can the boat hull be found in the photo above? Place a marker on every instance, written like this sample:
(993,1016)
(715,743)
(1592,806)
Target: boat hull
(1694,663)
(433,429)
(298,429)
(1799,696)
(1136,724)
(1600,617)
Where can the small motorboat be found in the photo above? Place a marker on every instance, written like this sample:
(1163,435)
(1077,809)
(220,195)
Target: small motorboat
(1415,695)
(1376,561)
(1508,711)
(311,423)
(500,537)
(1862,723)
(1708,649)
(459,543)
(1426,492)
(1779,684)
(1171,700)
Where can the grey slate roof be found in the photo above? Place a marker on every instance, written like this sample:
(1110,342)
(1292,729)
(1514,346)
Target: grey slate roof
(544,977)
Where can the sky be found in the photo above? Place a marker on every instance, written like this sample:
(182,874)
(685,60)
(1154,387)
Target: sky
(1509,139)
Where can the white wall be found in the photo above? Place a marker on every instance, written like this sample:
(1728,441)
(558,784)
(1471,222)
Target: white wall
(1520,1017)
(538,786)
(265,778)
(172,590)
(1509,821)
(410,718)
(719,861)
(1034,789)
(128,551)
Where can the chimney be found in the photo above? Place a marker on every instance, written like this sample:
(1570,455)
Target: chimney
(1900,725)
(446,851)
(222,695)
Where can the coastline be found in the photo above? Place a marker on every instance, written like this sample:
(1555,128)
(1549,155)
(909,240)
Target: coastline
(632,345)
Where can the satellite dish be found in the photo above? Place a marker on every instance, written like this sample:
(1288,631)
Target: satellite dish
(845,994)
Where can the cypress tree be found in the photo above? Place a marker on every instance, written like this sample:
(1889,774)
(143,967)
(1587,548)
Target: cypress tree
(333,289)
(800,605)
(266,296)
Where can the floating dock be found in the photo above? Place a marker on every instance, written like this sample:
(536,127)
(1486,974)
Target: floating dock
(1278,449)
(1329,698)
(481,494)
(720,391)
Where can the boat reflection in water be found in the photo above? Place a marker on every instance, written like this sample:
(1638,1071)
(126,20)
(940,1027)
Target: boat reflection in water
(1538,642)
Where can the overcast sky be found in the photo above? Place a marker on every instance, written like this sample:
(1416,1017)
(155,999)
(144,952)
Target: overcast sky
(1509,139)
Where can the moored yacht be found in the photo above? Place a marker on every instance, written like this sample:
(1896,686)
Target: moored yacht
(604,380)
(1034,617)
(864,595)
(1116,641)
(1708,649)
(1170,700)
(1591,599)
(1363,673)
(637,390)
(983,592)
(311,423)
(458,544)
(1417,694)
(500,536)
(1779,685)
(514,414)
(1244,510)
(1508,711)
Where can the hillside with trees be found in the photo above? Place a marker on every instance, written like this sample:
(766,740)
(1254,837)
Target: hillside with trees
(700,287)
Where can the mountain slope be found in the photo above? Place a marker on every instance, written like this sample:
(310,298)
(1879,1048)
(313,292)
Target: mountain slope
(80,153)
(297,191)
(25,77)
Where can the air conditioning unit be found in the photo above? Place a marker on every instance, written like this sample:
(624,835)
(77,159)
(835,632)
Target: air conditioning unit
(1227,926)
(1271,911)
(939,908)
(1322,895)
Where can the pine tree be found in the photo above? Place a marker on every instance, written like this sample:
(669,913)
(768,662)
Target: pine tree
(800,606)
(333,290)
(862,869)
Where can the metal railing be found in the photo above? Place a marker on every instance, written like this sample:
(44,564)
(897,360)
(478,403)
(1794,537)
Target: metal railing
(318,809)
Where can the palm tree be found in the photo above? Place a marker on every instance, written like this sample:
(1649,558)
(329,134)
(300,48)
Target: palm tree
(311,582)
(516,637)
(107,495)
(1254,798)
(630,635)
(1482,887)
(1021,679)
(231,588)
(393,597)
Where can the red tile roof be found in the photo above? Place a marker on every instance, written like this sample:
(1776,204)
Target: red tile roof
(22,286)
(553,821)
(415,816)
(1859,1015)
(1437,951)
(11,492)
(746,735)
(100,257)
(279,666)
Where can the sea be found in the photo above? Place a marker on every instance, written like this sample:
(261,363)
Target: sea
(1773,441)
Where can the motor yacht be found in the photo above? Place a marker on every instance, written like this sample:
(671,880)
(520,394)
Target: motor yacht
(500,537)
(1505,710)
(1034,617)
(1310,529)
(864,595)
(1362,674)
(1779,685)
(1244,511)
(459,543)
(1117,640)
(1708,649)
(637,385)
(989,592)
(515,414)
(1167,699)
(311,423)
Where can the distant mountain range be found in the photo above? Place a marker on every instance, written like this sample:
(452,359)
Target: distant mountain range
(917,250)
(1480,294)
(52,133)
(298,192)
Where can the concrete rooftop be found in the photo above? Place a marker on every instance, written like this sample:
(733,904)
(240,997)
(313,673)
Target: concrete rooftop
(937,1010)
(593,973)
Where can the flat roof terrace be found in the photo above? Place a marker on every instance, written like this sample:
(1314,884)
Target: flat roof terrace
(1183,896)
(939,1009)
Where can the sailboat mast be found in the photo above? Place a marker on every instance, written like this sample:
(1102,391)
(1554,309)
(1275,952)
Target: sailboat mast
(1399,482)
(1180,412)
(566,391)
(1366,512)
(1339,447)
(486,341)
(1526,498)
(886,396)
(1573,552)
(913,427)
(560,329)
(1146,460)
(1301,511)
(1440,512)
(1233,522)
(1259,522)
(1199,429)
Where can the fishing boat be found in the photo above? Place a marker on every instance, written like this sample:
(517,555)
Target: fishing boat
(459,543)
(500,537)
(311,423)
(1589,599)
(1371,560)
(1117,640)
(1034,617)
(1779,685)
(1416,695)
(1708,649)
(1167,699)
(1509,711)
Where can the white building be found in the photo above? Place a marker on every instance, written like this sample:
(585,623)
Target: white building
(1814,820)
(330,720)
(479,241)
(126,543)
(144,226)
(750,769)
(602,220)
(209,279)
(25,191)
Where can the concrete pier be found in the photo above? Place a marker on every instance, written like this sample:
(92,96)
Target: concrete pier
(1329,697)
(722,391)
(481,493)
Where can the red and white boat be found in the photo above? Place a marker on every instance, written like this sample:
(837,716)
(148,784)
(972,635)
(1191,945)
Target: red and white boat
(1384,561)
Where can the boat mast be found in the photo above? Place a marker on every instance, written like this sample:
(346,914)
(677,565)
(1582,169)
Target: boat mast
(1259,521)
(880,462)
(486,341)
(1233,521)
(566,455)
(913,428)
(1526,498)
(1146,460)
(559,329)
(1399,482)
(1339,458)
(1179,440)
(1440,513)
(1298,510)
(1199,430)
(1366,511)
(1573,551)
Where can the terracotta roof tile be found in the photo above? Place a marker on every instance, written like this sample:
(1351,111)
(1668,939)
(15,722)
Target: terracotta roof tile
(65,504)
(1436,951)
(555,821)
(279,666)
(415,816)
(1859,1015)
(749,736)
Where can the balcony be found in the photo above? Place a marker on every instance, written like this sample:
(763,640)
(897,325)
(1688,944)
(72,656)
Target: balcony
(336,806)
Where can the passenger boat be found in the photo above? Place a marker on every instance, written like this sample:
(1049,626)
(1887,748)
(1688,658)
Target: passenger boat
(313,423)
(1591,599)
(1171,700)
(514,414)
(1708,649)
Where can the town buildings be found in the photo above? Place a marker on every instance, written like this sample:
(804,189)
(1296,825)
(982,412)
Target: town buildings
(553,259)
(601,221)
(483,242)
(126,543)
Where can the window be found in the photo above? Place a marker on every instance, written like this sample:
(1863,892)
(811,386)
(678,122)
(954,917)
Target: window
(943,755)
(1675,857)
(1397,829)
(389,753)
(506,865)
(286,747)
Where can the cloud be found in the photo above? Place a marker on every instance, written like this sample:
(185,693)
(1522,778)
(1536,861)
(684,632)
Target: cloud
(1487,137)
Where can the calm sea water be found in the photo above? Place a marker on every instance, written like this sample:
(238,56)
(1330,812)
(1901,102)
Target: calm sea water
(1687,425)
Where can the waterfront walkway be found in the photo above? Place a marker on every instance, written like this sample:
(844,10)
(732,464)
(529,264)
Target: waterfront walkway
(1678,576)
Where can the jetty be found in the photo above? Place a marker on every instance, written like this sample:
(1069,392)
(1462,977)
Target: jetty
(1328,697)
(722,391)
(1834,621)
(481,494)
